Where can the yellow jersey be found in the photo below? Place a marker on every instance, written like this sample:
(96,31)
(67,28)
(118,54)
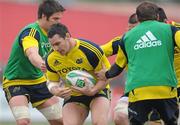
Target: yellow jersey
(84,56)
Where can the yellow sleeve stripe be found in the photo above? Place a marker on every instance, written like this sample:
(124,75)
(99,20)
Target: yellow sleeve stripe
(176,24)
(32,32)
(177,38)
(92,48)
(28,42)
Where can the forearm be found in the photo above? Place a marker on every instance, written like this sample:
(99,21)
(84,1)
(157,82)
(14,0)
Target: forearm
(53,87)
(114,71)
(100,85)
(36,60)
(34,57)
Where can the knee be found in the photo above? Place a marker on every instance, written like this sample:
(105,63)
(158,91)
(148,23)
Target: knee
(100,122)
(56,122)
(120,118)
(23,122)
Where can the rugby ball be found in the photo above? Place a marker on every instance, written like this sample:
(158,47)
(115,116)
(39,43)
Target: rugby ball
(77,77)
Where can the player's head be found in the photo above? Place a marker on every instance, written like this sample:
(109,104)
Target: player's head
(59,38)
(133,21)
(49,7)
(147,11)
(162,15)
(49,13)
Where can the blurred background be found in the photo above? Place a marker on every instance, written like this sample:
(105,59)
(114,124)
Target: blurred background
(96,20)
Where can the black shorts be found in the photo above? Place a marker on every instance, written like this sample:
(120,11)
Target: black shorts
(141,111)
(34,93)
(178,91)
(86,100)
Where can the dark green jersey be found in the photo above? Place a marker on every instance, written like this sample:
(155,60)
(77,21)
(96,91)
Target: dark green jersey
(19,67)
(149,48)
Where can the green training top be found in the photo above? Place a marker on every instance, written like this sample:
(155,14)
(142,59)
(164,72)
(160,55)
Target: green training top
(19,66)
(149,48)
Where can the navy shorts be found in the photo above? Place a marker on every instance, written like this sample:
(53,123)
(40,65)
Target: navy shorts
(166,109)
(86,100)
(34,93)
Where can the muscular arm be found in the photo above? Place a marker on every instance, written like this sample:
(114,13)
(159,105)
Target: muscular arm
(34,57)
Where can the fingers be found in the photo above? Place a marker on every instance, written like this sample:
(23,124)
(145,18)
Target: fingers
(103,65)
(64,92)
(87,84)
(76,89)
(43,67)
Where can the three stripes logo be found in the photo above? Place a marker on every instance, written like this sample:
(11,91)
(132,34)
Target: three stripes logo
(146,41)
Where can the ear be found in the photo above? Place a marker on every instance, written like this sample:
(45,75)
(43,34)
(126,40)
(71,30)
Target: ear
(68,35)
(44,17)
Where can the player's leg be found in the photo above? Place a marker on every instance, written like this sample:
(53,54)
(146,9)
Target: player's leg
(99,107)
(168,110)
(52,110)
(178,96)
(18,102)
(154,118)
(75,110)
(121,112)
(138,112)
(46,103)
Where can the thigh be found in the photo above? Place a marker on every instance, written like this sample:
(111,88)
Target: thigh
(122,106)
(138,112)
(16,96)
(39,94)
(99,107)
(100,110)
(74,113)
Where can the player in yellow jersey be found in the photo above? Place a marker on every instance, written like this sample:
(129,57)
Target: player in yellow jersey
(163,18)
(70,54)
(24,80)
(111,48)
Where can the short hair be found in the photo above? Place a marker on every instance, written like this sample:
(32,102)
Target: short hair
(133,19)
(147,11)
(162,15)
(59,29)
(49,7)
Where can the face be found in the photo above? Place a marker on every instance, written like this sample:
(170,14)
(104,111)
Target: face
(53,19)
(60,44)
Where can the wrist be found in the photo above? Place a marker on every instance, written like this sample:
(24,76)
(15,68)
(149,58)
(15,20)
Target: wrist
(93,91)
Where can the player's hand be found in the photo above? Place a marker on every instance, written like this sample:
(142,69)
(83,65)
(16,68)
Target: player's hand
(63,92)
(43,67)
(101,74)
(86,90)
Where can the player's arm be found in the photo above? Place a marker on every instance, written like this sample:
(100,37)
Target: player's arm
(176,35)
(117,67)
(175,24)
(54,81)
(111,47)
(29,41)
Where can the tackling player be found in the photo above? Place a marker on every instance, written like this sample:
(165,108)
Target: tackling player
(143,80)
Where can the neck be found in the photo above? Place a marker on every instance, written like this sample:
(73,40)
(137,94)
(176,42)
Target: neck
(72,43)
(41,24)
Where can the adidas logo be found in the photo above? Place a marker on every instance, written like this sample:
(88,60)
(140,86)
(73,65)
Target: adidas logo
(146,41)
